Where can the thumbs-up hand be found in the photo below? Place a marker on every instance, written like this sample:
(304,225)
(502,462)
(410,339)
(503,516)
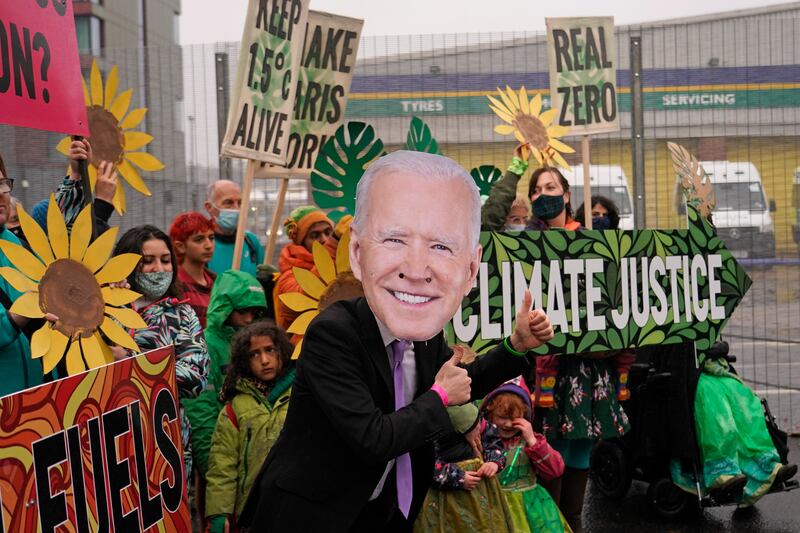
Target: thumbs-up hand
(454,380)
(533,327)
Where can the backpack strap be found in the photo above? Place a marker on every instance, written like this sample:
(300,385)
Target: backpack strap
(232,415)
(252,248)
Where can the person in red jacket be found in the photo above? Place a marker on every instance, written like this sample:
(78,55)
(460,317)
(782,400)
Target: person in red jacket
(192,235)
(305,225)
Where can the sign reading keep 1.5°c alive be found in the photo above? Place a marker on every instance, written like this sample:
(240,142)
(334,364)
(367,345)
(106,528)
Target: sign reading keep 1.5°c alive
(260,115)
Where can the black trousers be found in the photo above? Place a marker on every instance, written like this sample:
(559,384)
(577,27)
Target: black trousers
(382,514)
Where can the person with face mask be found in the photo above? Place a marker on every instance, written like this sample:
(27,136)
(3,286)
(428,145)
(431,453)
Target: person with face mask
(579,393)
(170,320)
(502,210)
(518,215)
(605,214)
(223,203)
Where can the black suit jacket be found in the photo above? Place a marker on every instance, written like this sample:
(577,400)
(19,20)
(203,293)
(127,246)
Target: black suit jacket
(341,428)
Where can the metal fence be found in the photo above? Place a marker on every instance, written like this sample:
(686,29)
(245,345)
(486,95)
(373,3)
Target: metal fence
(726,87)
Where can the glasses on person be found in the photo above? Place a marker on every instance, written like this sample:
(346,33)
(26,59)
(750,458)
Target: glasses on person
(6,185)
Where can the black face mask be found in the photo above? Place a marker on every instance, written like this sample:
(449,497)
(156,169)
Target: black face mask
(548,207)
(601,222)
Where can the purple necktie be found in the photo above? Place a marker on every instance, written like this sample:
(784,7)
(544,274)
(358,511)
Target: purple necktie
(402,463)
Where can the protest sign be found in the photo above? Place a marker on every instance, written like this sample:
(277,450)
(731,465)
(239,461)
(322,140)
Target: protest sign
(98,451)
(40,75)
(260,115)
(324,76)
(605,290)
(582,55)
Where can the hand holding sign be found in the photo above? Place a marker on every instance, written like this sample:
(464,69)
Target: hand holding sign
(533,327)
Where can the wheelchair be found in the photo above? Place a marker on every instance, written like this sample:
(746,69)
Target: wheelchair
(663,382)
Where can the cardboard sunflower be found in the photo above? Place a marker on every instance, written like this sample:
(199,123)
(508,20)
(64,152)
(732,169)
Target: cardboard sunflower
(70,278)
(335,282)
(525,119)
(110,123)
(694,182)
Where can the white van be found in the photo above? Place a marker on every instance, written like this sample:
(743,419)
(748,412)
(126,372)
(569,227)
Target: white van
(742,215)
(606,180)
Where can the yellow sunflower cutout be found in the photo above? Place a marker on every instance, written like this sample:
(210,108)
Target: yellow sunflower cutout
(110,122)
(69,278)
(335,282)
(525,119)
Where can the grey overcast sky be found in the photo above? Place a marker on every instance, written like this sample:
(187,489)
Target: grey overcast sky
(207,21)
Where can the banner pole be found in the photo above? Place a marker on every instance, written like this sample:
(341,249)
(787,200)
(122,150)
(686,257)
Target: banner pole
(276,220)
(244,210)
(587,193)
(83,169)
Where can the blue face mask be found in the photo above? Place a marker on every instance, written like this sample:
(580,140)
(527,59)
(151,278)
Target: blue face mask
(601,222)
(548,207)
(228,219)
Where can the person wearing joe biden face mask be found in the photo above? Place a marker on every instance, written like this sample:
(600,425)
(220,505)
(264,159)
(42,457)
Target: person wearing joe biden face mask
(375,374)
(223,202)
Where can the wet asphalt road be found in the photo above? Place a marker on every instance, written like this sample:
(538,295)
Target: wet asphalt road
(775,513)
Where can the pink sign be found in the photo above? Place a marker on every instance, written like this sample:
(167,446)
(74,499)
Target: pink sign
(40,75)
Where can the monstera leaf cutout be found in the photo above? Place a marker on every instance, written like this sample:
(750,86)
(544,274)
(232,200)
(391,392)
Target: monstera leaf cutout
(420,138)
(340,165)
(485,177)
(696,185)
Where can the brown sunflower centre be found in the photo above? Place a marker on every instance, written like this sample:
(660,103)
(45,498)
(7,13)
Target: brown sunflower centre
(106,136)
(533,130)
(70,291)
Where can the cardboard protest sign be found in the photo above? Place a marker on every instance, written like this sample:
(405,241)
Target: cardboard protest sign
(40,74)
(323,84)
(605,290)
(98,451)
(260,116)
(582,54)
(69,277)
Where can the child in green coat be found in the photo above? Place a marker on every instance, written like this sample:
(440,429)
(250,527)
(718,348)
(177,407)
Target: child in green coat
(256,395)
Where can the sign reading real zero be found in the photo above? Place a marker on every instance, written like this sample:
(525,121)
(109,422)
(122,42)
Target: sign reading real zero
(582,56)
(260,115)
(40,75)
(98,451)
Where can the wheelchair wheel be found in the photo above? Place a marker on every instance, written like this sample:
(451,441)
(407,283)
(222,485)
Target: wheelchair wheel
(610,470)
(667,500)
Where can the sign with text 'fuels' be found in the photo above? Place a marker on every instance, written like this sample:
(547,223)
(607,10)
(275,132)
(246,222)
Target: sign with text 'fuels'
(97,451)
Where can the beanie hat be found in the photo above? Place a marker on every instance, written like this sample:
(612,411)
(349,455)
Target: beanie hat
(514,386)
(300,220)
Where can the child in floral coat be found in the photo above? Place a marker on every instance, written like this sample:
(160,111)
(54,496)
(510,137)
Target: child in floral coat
(528,457)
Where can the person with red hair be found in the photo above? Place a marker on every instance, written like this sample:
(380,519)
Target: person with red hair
(192,235)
